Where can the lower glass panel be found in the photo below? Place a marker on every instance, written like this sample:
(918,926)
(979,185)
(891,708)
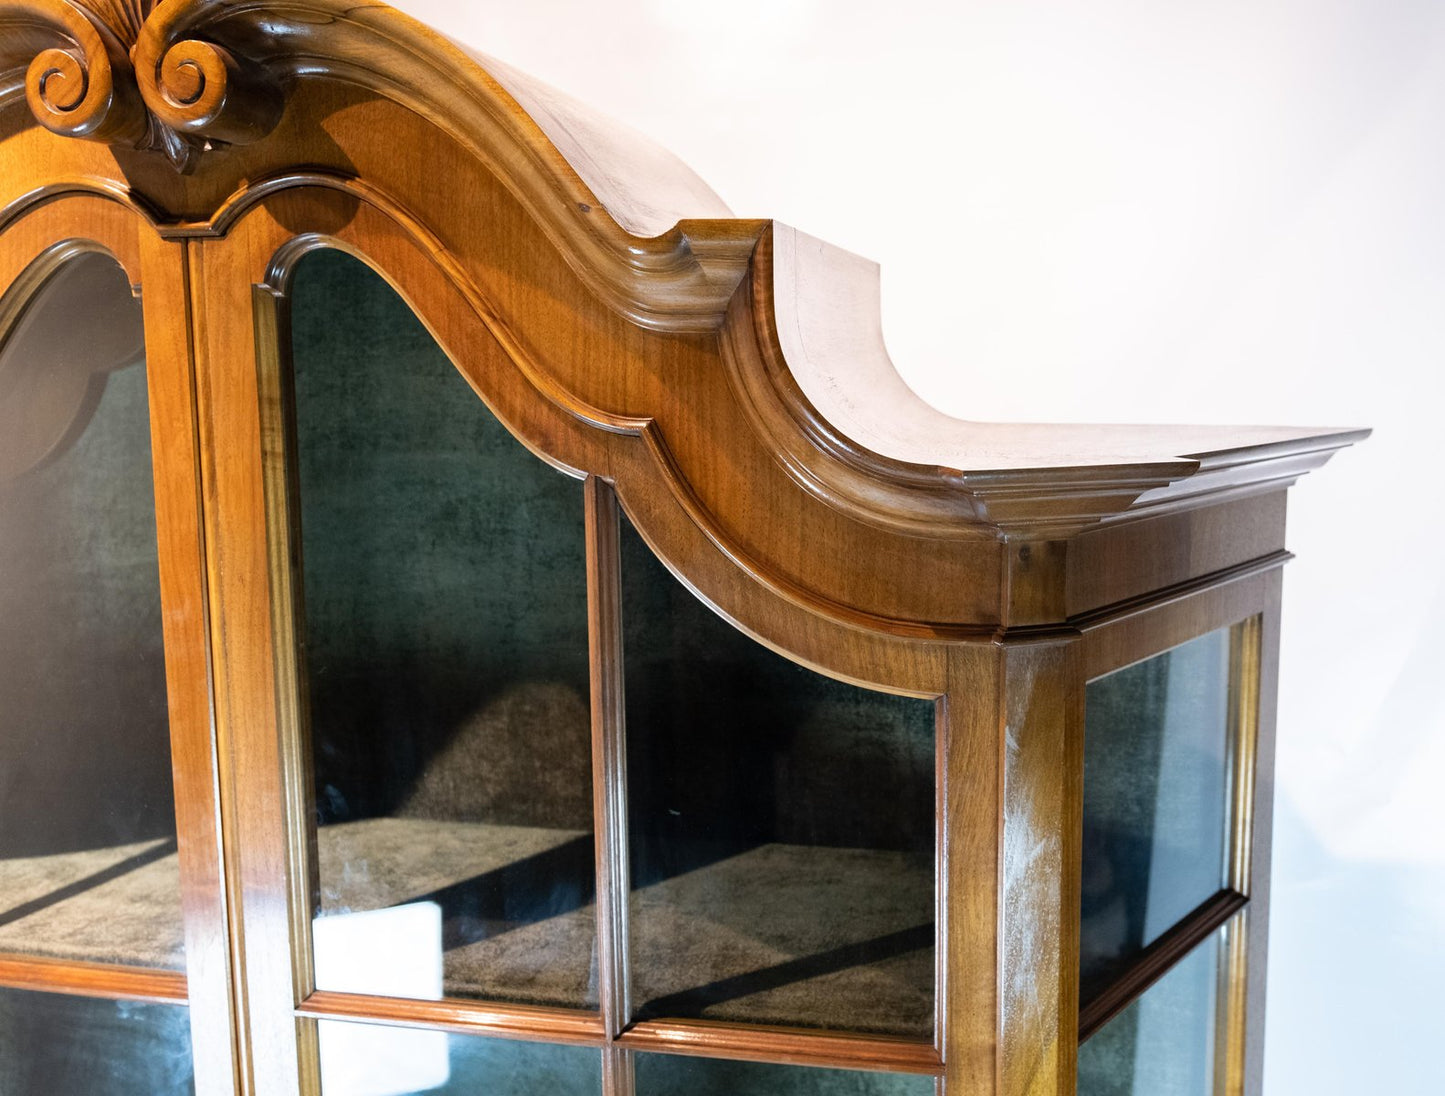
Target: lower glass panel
(671,1075)
(1165,1043)
(377,1060)
(50,1043)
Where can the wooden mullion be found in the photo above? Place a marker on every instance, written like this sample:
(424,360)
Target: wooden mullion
(523,1022)
(1157,960)
(619,1073)
(609,776)
(82,979)
(197,760)
(275,383)
(784,1046)
(243,442)
(699,1038)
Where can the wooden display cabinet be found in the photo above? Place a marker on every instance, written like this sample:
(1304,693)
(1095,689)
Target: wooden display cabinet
(476,616)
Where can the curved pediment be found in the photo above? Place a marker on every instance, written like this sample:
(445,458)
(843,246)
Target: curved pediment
(783,328)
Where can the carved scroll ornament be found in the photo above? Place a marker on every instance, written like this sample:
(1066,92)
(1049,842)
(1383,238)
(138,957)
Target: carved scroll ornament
(126,72)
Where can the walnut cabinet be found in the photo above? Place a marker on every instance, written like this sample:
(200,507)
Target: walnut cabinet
(475,616)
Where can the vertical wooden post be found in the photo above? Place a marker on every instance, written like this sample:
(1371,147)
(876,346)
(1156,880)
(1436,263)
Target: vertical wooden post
(1042,724)
(970,788)
(196,759)
(1261,834)
(609,778)
(243,437)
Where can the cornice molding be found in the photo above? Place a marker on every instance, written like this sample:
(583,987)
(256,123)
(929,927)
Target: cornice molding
(804,346)
(803,342)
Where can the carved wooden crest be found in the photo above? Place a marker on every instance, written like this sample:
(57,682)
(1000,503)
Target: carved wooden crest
(127,72)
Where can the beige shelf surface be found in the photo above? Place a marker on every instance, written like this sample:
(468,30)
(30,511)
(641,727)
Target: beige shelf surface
(779,934)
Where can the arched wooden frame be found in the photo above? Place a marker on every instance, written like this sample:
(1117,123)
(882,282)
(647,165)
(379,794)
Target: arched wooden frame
(577,438)
(47,228)
(702,373)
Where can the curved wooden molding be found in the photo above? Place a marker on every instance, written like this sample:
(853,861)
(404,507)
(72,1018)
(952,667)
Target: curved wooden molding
(283,263)
(806,351)
(641,229)
(795,321)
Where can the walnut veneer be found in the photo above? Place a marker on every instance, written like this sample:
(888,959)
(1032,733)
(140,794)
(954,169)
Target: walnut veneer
(721,386)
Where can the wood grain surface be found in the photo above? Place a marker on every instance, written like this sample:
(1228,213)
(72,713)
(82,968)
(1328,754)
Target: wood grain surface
(721,382)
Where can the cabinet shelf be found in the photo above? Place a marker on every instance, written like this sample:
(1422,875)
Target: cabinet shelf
(854,954)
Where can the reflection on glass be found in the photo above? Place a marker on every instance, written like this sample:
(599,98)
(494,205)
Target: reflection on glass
(55,1044)
(87,824)
(445,624)
(669,1075)
(782,827)
(1164,1043)
(374,1060)
(1156,793)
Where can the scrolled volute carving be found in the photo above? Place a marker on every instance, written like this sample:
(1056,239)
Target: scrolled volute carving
(143,75)
(198,87)
(83,85)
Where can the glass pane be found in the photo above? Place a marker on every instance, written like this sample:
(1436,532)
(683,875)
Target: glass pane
(670,1075)
(446,666)
(782,827)
(1156,800)
(1164,1043)
(54,1044)
(375,1060)
(87,823)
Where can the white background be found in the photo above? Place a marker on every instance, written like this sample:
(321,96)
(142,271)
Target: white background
(1154,211)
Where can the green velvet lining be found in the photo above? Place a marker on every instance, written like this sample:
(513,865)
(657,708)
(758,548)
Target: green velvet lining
(444,577)
(55,1044)
(736,754)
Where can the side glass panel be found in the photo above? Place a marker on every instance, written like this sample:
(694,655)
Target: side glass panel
(88,866)
(669,1075)
(1166,1042)
(53,1043)
(781,825)
(445,628)
(375,1060)
(1157,788)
